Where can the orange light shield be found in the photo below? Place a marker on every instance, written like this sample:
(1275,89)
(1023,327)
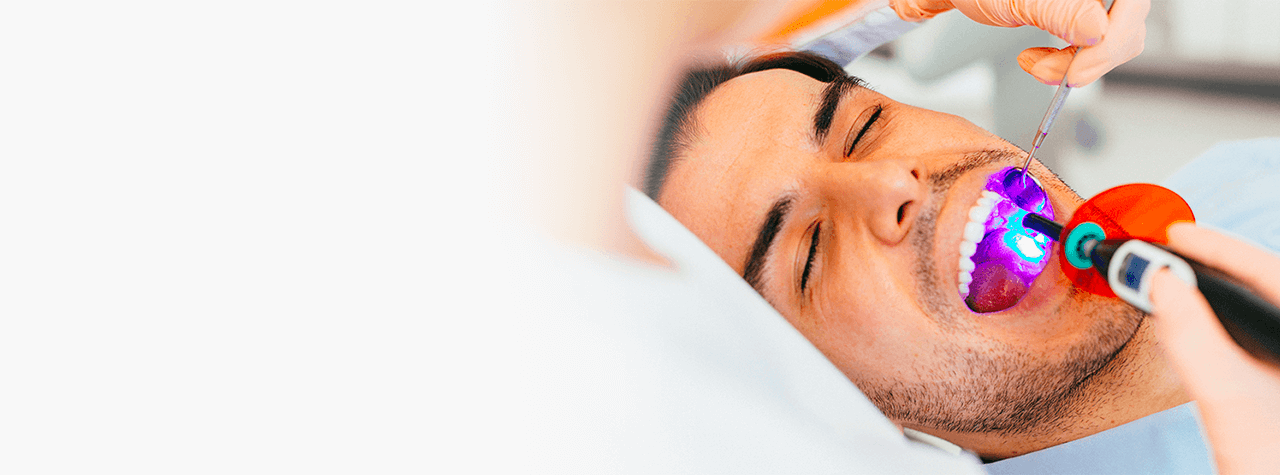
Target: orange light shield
(1136,211)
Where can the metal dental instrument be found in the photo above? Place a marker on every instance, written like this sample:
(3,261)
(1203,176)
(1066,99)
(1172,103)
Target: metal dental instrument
(1059,98)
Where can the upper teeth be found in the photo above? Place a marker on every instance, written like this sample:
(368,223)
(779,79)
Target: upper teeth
(973,232)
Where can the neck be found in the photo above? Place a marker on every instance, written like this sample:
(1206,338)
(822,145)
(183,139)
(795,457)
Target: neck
(1138,382)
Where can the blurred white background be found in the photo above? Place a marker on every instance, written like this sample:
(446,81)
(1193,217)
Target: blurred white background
(1210,73)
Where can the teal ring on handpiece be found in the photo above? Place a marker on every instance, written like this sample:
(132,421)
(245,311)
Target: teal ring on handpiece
(1085,231)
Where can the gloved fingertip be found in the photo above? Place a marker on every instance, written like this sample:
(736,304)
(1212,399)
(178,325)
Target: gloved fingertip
(1032,56)
(1082,78)
(1168,292)
(1090,25)
(1081,83)
(1182,230)
(1052,80)
(1025,62)
(1046,73)
(917,10)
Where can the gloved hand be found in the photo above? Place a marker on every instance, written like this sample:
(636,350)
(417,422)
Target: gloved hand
(1108,40)
(1239,395)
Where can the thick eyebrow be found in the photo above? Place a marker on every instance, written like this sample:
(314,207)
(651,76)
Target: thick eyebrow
(764,240)
(831,96)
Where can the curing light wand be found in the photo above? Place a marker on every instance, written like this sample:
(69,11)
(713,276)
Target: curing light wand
(1129,265)
(1043,225)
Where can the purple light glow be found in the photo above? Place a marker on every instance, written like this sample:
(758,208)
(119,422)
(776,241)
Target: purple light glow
(1010,256)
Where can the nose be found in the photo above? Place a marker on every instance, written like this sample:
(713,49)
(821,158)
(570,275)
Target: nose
(885,196)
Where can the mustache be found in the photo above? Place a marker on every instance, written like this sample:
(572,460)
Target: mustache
(941,181)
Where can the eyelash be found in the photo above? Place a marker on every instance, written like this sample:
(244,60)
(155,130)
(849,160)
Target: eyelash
(813,251)
(875,115)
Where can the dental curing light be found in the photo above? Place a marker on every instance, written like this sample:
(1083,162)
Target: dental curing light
(1113,246)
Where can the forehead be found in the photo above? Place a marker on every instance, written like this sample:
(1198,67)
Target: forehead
(753,136)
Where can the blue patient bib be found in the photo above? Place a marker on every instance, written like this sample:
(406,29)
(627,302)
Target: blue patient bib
(1169,442)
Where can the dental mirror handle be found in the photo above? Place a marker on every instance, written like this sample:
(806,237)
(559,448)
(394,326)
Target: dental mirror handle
(1055,106)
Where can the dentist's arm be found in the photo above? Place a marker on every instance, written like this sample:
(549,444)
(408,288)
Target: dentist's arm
(1239,396)
(1108,40)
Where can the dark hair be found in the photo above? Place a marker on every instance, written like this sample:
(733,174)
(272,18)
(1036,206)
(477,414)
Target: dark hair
(677,126)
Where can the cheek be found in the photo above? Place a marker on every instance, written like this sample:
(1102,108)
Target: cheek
(871,340)
(868,315)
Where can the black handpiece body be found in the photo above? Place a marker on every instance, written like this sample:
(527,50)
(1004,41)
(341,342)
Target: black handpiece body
(1253,322)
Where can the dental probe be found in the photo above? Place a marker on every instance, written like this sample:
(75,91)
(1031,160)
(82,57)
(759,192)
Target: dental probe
(1059,98)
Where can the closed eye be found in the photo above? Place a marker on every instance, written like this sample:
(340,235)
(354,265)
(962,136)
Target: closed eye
(875,115)
(813,252)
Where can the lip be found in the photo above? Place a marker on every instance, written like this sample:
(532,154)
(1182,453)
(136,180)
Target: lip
(1044,291)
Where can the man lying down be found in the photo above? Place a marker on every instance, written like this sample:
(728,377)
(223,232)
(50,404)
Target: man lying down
(847,211)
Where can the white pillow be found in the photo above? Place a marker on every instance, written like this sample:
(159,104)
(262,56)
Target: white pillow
(730,361)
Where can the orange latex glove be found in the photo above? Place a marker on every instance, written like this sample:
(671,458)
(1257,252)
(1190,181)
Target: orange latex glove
(1239,395)
(1108,40)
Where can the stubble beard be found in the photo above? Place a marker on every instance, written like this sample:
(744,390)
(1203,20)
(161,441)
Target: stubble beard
(997,387)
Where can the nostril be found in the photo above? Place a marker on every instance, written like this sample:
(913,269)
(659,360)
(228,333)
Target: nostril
(915,174)
(902,211)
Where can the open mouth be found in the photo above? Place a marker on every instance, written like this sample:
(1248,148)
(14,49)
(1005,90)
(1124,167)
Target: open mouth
(999,257)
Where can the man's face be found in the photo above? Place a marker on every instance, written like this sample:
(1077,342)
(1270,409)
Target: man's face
(865,258)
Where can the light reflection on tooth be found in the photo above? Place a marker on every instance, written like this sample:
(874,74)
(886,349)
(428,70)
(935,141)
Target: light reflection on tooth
(973,232)
(966,264)
(979,213)
(967,249)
